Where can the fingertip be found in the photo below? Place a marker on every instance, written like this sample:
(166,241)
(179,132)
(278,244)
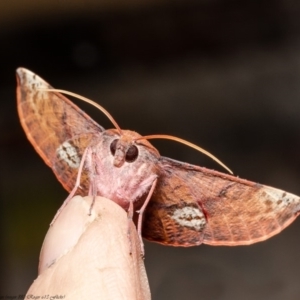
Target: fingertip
(94,251)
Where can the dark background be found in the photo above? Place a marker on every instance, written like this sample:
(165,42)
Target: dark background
(222,74)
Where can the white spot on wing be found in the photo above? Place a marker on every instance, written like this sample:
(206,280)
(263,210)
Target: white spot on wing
(190,217)
(281,199)
(69,154)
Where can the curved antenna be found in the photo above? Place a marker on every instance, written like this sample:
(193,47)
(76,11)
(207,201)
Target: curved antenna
(182,141)
(109,116)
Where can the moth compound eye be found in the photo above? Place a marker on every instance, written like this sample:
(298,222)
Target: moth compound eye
(132,153)
(113,146)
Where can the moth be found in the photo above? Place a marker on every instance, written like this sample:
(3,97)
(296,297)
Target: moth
(179,204)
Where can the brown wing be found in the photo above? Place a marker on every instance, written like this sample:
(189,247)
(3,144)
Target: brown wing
(194,205)
(58,129)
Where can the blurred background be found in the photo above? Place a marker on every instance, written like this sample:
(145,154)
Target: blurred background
(222,74)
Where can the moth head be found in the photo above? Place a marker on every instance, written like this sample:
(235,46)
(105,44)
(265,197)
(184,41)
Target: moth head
(125,147)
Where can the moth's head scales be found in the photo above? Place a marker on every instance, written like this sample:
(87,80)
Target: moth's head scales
(125,146)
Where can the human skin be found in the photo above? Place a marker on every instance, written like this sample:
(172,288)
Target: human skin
(91,256)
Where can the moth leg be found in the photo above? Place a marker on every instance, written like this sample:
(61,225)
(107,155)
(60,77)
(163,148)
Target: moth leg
(93,189)
(129,217)
(141,212)
(90,190)
(77,184)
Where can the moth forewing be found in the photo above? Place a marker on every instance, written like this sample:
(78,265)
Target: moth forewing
(58,130)
(218,209)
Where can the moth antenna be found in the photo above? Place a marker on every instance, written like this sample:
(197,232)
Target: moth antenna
(182,141)
(87,100)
